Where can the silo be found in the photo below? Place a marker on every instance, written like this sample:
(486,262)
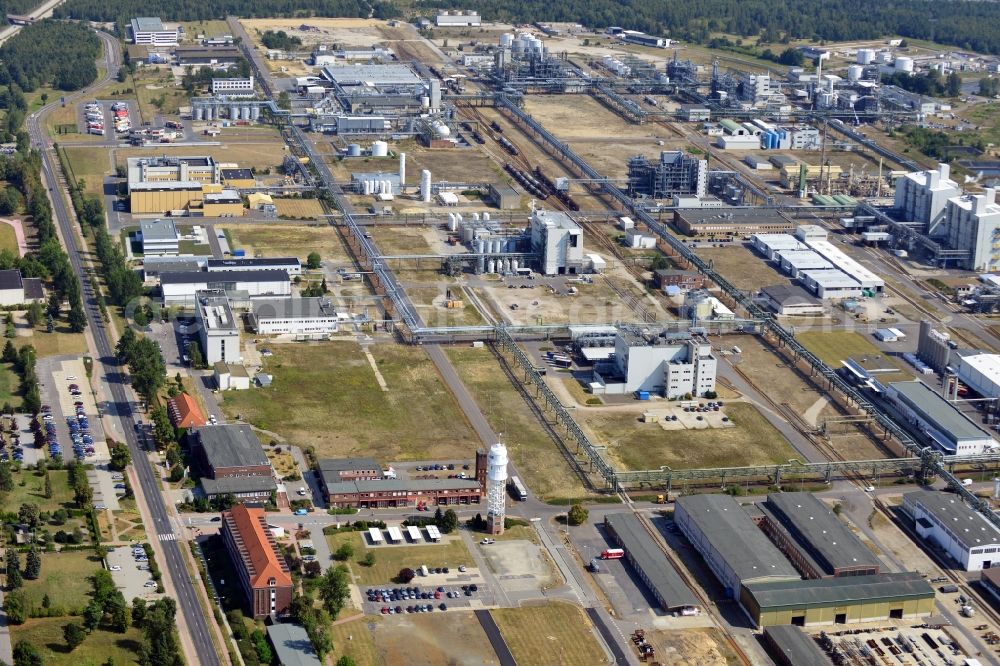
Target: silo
(199,113)
(402,169)
(866,56)
(480,246)
(855,72)
(506,265)
(506,39)
(480,265)
(234,112)
(486,217)
(495,246)
(458,216)
(492,266)
(387,186)
(452,222)
(245,113)
(380,149)
(435,94)
(467,233)
(354,150)
(425,186)
(255,113)
(514,265)
(903,64)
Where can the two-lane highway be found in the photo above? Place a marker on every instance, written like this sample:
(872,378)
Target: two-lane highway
(199,633)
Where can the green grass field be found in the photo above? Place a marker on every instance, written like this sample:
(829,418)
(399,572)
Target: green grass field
(451,552)
(65,578)
(57,343)
(46,634)
(8,239)
(537,457)
(30,488)
(326,395)
(647,446)
(355,639)
(90,165)
(834,346)
(9,384)
(554,633)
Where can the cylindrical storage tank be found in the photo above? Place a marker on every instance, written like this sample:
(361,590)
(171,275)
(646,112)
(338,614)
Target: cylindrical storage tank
(855,72)
(903,64)
(475,217)
(255,113)
(199,113)
(492,266)
(866,56)
(480,246)
(425,186)
(354,150)
(486,217)
(506,265)
(467,233)
(458,216)
(480,265)
(495,246)
(452,222)
(234,113)
(387,186)
(506,39)
(380,149)
(245,113)
(514,265)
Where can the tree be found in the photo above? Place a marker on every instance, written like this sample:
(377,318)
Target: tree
(194,354)
(120,457)
(159,646)
(344,552)
(83,494)
(60,516)
(449,522)
(346,660)
(120,617)
(577,515)
(405,575)
(140,317)
(368,560)
(77,318)
(16,606)
(26,654)
(28,514)
(33,565)
(74,635)
(261,646)
(6,478)
(92,615)
(953,86)
(48,486)
(14,579)
(55,305)
(334,589)
(313,568)
(9,353)
(313,261)
(34,314)
(438,516)
(163,430)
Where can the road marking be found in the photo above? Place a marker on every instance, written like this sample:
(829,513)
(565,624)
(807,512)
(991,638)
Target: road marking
(167,537)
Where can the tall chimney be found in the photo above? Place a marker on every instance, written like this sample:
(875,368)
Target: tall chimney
(402,170)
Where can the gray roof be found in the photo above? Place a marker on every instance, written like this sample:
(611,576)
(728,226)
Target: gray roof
(148,24)
(253,262)
(822,592)
(732,534)
(175,264)
(790,294)
(819,532)
(401,485)
(237,485)
(159,229)
(221,277)
(10,279)
(346,464)
(795,646)
(373,74)
(292,645)
(32,288)
(231,446)
(949,420)
(294,308)
(645,555)
(969,527)
(733,216)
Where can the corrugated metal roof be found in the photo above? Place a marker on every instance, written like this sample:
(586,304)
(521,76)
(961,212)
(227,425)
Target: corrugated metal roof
(943,414)
(293,646)
(794,646)
(969,527)
(775,595)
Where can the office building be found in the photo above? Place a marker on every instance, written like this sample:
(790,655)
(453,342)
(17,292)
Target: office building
(291,265)
(260,566)
(336,470)
(942,422)
(683,280)
(217,328)
(159,238)
(15,290)
(558,241)
(233,87)
(301,317)
(922,196)
(675,174)
(834,601)
(184,412)
(813,538)
(201,169)
(669,364)
(731,223)
(151,31)
(972,223)
(395,493)
(179,288)
(969,538)
(733,547)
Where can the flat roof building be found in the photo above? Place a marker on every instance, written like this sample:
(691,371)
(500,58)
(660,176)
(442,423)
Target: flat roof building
(260,567)
(180,288)
(733,547)
(15,290)
(197,55)
(393,493)
(171,169)
(814,538)
(941,421)
(558,241)
(234,87)
(649,562)
(218,329)
(669,364)
(794,262)
(980,371)
(302,317)
(292,646)
(289,264)
(848,265)
(731,222)
(790,300)
(771,245)
(150,30)
(851,599)
(788,645)
(231,450)
(159,238)
(469,19)
(830,283)
(968,537)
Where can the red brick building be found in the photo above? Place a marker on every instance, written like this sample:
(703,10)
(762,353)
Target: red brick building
(262,570)
(233,462)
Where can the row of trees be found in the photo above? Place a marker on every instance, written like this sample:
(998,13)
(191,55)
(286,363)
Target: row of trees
(23,360)
(192,10)
(51,53)
(280,40)
(931,83)
(145,363)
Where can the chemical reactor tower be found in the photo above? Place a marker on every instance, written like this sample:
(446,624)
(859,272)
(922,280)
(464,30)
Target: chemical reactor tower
(496,488)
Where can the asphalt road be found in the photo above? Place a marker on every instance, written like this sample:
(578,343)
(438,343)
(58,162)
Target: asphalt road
(121,407)
(496,639)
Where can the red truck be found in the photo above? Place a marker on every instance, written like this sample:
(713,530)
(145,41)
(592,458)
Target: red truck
(613,554)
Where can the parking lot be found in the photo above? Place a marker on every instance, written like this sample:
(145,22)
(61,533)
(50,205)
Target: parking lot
(132,580)
(104,482)
(71,423)
(423,597)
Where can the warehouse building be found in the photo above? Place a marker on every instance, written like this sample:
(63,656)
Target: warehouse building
(238,178)
(733,223)
(789,300)
(978,370)
(291,265)
(852,599)
(790,646)
(224,203)
(733,547)
(967,536)
(196,55)
(772,246)
(870,282)
(558,241)
(217,328)
(830,283)
(669,364)
(165,197)
(650,563)
(944,425)
(990,581)
(159,238)
(469,19)
(180,288)
(150,30)
(15,290)
(233,462)
(814,539)
(313,318)
(795,262)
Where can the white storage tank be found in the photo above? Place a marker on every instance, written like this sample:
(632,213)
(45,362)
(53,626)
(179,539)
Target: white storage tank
(506,39)
(425,186)
(855,72)
(354,150)
(380,149)
(452,222)
(903,64)
(255,113)
(514,265)
(441,130)
(467,233)
(866,56)
(884,57)
(492,266)
(486,217)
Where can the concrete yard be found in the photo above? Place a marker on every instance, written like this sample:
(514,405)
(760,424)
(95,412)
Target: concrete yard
(519,565)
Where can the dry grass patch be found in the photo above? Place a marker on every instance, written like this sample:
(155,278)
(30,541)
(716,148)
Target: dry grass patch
(554,633)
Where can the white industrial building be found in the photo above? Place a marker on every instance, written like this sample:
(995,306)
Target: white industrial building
(844,263)
(816,262)
(230,377)
(289,264)
(233,87)
(967,536)
(922,196)
(558,241)
(788,300)
(671,364)
(972,223)
(217,328)
(179,288)
(159,238)
(150,30)
(301,317)
(468,19)
(941,421)
(770,245)
(979,371)
(830,284)
(794,262)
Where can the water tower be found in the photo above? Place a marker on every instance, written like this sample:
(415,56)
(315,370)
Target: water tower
(496,488)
